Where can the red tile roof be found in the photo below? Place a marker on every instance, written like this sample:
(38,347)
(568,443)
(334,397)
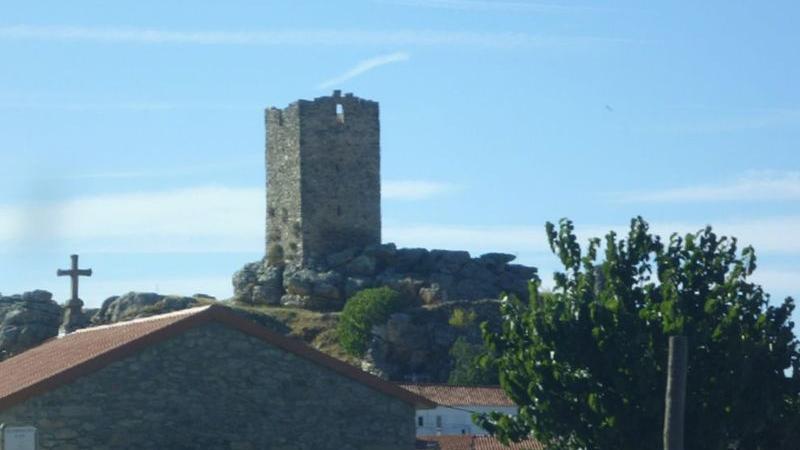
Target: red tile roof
(469,442)
(61,360)
(448,395)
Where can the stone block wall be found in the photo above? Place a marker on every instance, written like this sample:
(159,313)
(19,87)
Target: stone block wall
(215,387)
(323,177)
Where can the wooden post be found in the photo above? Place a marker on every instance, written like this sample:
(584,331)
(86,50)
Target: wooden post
(676,393)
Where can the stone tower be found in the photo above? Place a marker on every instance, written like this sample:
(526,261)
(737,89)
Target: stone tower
(323,178)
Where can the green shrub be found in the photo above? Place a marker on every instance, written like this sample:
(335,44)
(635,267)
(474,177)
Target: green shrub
(461,318)
(362,311)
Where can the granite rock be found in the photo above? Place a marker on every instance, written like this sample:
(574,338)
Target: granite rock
(27,320)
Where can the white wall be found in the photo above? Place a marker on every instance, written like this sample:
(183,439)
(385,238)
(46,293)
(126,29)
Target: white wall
(454,420)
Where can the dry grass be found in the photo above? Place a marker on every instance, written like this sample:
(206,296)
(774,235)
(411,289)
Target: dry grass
(317,329)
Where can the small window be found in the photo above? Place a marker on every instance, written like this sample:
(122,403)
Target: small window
(438,421)
(339,113)
(420,421)
(338,210)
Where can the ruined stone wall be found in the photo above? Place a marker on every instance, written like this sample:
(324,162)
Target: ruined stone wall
(284,221)
(215,387)
(323,178)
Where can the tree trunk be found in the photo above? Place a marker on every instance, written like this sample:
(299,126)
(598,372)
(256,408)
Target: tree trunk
(676,393)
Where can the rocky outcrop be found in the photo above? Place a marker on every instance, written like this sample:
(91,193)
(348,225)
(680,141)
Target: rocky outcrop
(26,321)
(415,345)
(423,276)
(141,304)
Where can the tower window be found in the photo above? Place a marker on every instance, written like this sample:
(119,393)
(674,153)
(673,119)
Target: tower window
(339,113)
(420,421)
(338,210)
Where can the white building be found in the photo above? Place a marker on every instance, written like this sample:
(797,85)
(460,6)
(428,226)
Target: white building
(455,405)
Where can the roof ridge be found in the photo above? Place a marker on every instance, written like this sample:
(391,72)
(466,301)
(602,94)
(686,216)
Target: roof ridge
(180,312)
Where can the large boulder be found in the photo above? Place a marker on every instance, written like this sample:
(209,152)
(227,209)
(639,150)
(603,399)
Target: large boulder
(311,289)
(258,283)
(142,304)
(26,321)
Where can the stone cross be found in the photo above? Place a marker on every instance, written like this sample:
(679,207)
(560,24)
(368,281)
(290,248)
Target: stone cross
(73,316)
(74,273)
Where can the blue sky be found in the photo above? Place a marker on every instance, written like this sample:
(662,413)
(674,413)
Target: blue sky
(132,133)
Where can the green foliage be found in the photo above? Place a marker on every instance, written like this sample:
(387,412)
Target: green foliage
(362,311)
(587,364)
(460,318)
(472,364)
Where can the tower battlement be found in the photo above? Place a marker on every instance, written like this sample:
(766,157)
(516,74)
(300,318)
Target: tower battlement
(323,178)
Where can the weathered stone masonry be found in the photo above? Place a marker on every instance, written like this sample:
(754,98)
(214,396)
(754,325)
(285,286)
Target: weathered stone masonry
(323,178)
(324,220)
(215,387)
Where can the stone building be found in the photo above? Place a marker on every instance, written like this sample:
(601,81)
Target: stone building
(323,178)
(199,378)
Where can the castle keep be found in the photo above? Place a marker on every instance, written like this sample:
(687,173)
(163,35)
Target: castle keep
(323,240)
(323,178)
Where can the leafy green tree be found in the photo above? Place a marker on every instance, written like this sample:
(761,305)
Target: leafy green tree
(362,311)
(587,364)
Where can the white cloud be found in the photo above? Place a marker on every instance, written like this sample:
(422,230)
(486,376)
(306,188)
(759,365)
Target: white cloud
(760,186)
(306,37)
(186,220)
(197,219)
(415,189)
(365,66)
(207,219)
(476,239)
(767,235)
